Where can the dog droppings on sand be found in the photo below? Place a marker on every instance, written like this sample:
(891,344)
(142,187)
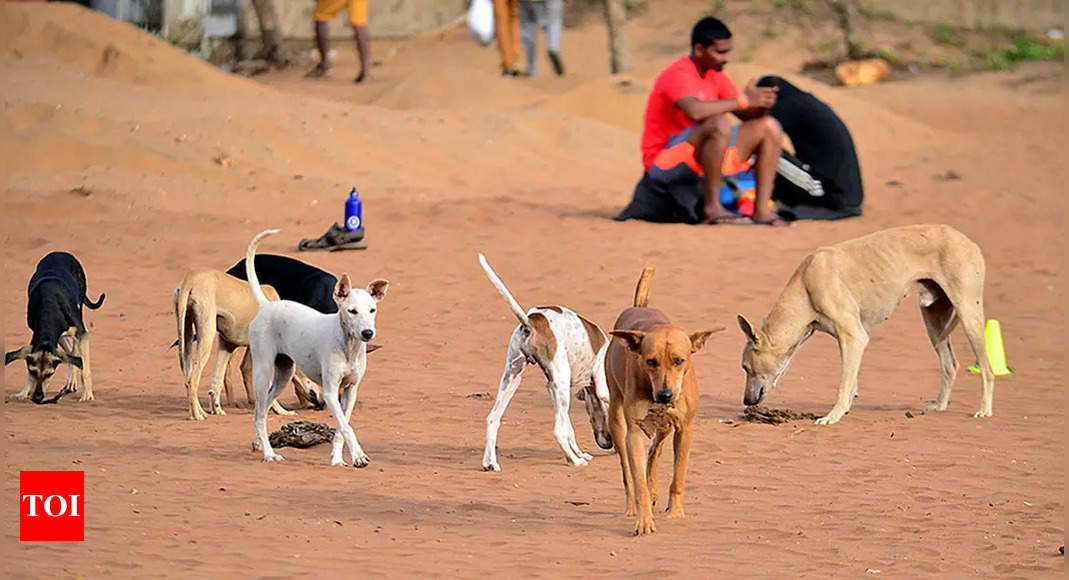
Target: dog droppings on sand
(759,414)
(301,434)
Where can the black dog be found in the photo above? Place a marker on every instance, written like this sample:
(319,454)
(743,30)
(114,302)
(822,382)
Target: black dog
(293,280)
(54,314)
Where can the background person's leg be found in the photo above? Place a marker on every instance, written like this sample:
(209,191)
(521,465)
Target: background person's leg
(358,18)
(323,43)
(363,48)
(554,24)
(529,32)
(325,11)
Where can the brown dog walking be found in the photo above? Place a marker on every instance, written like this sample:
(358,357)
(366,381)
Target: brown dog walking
(653,393)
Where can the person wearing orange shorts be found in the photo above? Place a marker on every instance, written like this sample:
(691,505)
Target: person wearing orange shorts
(688,141)
(325,11)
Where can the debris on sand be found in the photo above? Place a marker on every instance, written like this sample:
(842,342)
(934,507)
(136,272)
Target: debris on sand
(301,434)
(481,396)
(759,414)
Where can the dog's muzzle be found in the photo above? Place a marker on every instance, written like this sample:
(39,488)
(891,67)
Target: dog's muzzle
(663,396)
(367,334)
(754,396)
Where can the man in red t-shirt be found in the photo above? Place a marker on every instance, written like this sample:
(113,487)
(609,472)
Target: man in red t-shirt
(688,140)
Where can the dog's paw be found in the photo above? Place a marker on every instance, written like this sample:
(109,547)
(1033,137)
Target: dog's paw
(197,415)
(982,413)
(337,463)
(586,456)
(675,512)
(491,467)
(361,461)
(273,457)
(935,408)
(87,396)
(578,462)
(218,411)
(20,396)
(831,418)
(645,526)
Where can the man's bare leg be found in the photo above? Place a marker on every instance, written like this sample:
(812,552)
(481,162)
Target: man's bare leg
(710,139)
(322,30)
(762,136)
(363,48)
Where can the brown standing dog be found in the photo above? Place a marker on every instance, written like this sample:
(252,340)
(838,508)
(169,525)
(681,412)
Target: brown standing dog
(653,392)
(220,308)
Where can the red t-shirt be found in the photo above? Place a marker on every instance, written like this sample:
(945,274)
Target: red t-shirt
(663,117)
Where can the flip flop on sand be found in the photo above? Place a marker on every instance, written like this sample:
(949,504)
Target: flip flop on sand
(776,222)
(730,219)
(335,238)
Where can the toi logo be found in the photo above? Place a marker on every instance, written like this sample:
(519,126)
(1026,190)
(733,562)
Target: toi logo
(52,506)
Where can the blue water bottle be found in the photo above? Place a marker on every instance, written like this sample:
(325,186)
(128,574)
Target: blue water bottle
(353,212)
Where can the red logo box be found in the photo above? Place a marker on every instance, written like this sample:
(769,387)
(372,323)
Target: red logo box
(52,506)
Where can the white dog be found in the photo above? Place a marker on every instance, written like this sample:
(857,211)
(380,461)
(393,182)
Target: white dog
(571,352)
(330,348)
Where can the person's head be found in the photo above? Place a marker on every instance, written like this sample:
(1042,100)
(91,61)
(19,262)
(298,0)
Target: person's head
(710,43)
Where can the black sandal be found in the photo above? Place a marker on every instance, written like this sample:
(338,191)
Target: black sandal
(335,238)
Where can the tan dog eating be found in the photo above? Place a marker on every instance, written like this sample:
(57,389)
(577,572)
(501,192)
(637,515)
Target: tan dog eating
(848,289)
(653,392)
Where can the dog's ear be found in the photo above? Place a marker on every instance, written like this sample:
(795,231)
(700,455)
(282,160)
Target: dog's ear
(72,360)
(377,289)
(631,338)
(748,330)
(16,355)
(697,340)
(342,289)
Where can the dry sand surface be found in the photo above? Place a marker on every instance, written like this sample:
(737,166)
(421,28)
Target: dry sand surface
(451,159)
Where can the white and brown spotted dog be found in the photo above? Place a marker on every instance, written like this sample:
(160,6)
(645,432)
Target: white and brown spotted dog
(571,352)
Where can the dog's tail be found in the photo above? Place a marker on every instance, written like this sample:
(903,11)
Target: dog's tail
(181,304)
(513,305)
(250,266)
(642,291)
(100,300)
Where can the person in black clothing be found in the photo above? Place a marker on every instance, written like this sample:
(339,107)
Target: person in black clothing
(821,180)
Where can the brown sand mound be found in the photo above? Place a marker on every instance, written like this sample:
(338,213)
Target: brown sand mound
(451,88)
(101,46)
(609,100)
